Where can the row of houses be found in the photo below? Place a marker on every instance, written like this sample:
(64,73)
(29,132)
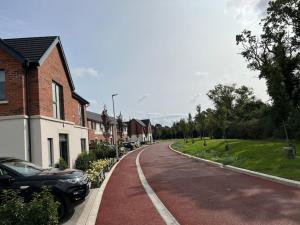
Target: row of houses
(42,118)
(134,130)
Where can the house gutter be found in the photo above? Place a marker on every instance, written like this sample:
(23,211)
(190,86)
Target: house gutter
(27,86)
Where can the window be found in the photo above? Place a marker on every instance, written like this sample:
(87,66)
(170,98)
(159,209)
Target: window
(50,151)
(22,167)
(2,85)
(83,144)
(3,172)
(57,101)
(81,114)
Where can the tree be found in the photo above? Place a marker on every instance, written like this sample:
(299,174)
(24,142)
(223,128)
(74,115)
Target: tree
(210,121)
(223,97)
(276,55)
(120,125)
(106,123)
(190,125)
(200,121)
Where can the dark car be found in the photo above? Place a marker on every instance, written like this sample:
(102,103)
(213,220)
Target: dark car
(128,145)
(67,186)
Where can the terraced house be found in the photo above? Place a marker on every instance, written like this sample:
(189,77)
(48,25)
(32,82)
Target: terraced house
(96,129)
(42,118)
(140,130)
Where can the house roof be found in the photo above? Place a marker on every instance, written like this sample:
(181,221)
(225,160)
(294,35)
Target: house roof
(93,116)
(32,48)
(146,122)
(97,117)
(35,50)
(140,122)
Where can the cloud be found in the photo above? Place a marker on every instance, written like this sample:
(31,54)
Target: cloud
(143,98)
(196,96)
(86,72)
(247,12)
(201,74)
(159,118)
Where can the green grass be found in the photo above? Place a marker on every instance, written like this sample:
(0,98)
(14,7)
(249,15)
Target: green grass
(261,156)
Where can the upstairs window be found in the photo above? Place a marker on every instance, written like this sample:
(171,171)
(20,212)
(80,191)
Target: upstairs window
(2,85)
(57,101)
(81,115)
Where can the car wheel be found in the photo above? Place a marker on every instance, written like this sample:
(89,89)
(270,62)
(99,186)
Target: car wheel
(62,209)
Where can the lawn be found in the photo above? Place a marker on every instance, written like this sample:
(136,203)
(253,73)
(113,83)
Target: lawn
(261,156)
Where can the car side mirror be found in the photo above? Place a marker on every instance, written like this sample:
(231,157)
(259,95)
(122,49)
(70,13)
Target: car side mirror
(6,179)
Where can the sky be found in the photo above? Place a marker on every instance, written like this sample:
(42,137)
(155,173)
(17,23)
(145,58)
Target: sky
(160,56)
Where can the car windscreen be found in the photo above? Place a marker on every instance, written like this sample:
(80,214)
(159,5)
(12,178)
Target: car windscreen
(22,167)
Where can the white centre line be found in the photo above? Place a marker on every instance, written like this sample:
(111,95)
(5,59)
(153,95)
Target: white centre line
(160,207)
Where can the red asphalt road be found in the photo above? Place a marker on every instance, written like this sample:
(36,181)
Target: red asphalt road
(196,193)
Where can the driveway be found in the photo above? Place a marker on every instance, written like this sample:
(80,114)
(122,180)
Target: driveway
(194,192)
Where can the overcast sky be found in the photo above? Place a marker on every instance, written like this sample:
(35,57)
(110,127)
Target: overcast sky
(160,56)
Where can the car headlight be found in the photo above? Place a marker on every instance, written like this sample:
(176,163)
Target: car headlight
(76,180)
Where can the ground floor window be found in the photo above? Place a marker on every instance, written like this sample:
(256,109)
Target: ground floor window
(50,151)
(83,144)
(63,147)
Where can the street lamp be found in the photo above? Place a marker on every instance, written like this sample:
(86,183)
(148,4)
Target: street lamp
(115,132)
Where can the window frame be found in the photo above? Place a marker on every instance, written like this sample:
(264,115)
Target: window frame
(83,144)
(50,152)
(4,88)
(57,101)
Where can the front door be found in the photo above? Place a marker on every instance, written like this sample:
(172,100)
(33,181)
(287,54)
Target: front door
(63,147)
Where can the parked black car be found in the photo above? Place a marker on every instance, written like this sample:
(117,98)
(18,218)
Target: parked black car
(128,145)
(67,186)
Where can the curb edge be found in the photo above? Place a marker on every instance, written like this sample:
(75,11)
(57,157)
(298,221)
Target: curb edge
(280,180)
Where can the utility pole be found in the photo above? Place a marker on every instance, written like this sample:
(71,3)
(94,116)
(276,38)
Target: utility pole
(115,131)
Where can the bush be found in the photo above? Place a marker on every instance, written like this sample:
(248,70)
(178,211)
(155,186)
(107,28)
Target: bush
(62,164)
(84,160)
(96,168)
(41,210)
(104,151)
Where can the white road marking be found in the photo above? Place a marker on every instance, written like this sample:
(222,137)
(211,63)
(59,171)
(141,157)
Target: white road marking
(160,207)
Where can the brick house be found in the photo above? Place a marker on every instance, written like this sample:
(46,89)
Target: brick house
(42,118)
(140,130)
(96,128)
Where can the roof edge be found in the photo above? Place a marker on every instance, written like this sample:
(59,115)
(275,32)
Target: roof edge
(10,50)
(79,98)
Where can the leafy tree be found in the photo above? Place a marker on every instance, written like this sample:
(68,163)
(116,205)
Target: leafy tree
(276,55)
(200,121)
(223,98)
(106,124)
(120,125)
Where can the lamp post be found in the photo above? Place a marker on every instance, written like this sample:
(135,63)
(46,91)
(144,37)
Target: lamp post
(115,131)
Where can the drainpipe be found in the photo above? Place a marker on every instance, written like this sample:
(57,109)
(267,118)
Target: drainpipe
(27,86)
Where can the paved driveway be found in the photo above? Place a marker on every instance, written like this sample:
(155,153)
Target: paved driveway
(195,193)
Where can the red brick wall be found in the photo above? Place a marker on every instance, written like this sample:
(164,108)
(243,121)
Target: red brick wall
(15,85)
(135,128)
(40,80)
(94,137)
(53,70)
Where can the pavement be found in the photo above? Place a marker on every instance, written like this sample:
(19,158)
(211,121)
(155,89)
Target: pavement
(194,192)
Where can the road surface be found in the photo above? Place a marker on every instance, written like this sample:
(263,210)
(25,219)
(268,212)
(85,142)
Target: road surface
(194,192)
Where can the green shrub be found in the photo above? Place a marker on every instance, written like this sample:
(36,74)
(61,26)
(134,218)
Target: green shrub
(95,169)
(104,151)
(84,160)
(41,210)
(62,164)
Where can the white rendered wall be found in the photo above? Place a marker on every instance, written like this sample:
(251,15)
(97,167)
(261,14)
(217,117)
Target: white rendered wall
(13,139)
(44,128)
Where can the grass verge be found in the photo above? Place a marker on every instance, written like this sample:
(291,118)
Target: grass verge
(256,155)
